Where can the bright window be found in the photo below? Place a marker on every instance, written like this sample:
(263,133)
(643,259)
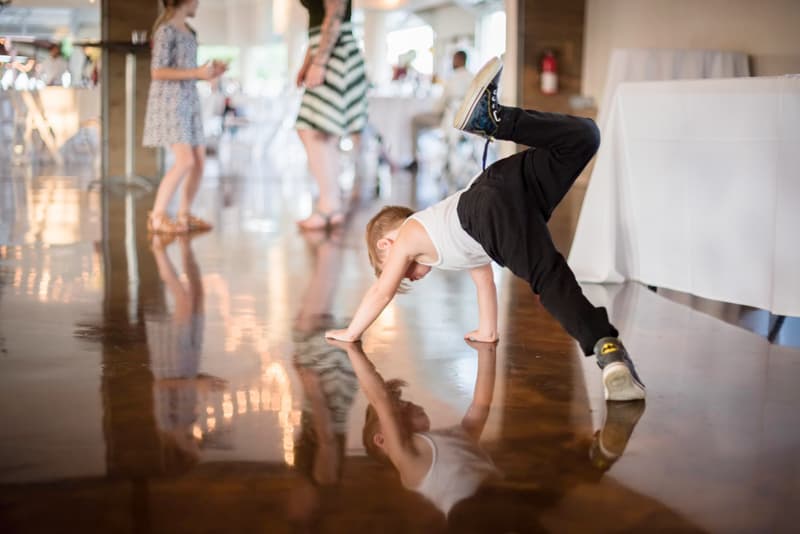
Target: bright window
(229,54)
(268,65)
(418,39)
(259,70)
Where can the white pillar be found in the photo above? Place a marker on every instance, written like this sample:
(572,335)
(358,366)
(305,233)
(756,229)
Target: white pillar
(510,75)
(249,68)
(379,70)
(510,78)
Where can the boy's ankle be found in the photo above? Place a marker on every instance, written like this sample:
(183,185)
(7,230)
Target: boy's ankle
(505,123)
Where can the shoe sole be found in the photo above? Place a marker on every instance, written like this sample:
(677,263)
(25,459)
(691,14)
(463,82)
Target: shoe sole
(476,88)
(619,383)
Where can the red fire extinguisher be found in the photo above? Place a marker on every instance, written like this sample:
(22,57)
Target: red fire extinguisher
(549,77)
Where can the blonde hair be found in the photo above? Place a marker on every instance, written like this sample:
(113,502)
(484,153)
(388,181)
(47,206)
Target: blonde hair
(372,425)
(170,6)
(389,218)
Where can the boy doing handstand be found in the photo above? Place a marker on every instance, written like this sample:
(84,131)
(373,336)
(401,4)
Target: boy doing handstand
(501,216)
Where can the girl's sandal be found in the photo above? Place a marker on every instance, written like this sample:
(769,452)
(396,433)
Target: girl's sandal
(194,224)
(160,223)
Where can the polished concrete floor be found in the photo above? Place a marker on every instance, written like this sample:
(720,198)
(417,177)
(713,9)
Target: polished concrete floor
(185,386)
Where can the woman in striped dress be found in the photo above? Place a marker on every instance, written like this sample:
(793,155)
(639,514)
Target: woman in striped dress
(334,103)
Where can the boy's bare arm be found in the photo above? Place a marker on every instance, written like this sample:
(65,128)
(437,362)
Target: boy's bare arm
(478,412)
(487,305)
(397,446)
(378,296)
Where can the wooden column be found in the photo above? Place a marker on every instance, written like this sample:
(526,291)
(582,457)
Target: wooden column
(556,25)
(119,19)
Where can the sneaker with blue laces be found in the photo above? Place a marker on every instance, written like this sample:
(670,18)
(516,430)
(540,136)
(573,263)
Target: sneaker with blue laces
(480,112)
(620,380)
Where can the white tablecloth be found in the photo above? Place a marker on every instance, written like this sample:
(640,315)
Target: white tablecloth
(696,188)
(654,64)
(391,117)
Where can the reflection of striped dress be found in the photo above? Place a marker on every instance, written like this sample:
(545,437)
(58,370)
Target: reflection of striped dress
(338,106)
(336,376)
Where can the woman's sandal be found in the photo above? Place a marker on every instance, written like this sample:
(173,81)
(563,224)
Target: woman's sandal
(193,223)
(325,220)
(160,223)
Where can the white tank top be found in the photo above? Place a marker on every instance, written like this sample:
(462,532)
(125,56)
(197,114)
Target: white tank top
(456,249)
(458,468)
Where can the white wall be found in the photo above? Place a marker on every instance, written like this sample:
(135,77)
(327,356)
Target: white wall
(767,30)
(234,22)
(452,21)
(379,69)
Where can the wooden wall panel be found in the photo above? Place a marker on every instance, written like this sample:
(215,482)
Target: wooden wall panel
(557,25)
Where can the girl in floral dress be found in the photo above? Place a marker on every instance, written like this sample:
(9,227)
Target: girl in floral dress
(173,119)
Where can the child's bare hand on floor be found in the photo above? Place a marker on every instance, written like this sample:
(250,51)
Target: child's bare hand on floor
(340,335)
(477,335)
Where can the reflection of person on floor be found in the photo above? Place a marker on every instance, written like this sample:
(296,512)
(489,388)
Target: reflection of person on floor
(610,441)
(444,465)
(455,87)
(176,346)
(501,216)
(325,247)
(567,473)
(329,387)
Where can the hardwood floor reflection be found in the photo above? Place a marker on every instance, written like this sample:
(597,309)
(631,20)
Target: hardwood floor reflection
(154,386)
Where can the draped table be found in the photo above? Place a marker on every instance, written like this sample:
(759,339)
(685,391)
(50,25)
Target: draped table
(654,64)
(696,188)
(391,116)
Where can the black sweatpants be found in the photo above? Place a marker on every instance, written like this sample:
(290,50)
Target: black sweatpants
(507,208)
